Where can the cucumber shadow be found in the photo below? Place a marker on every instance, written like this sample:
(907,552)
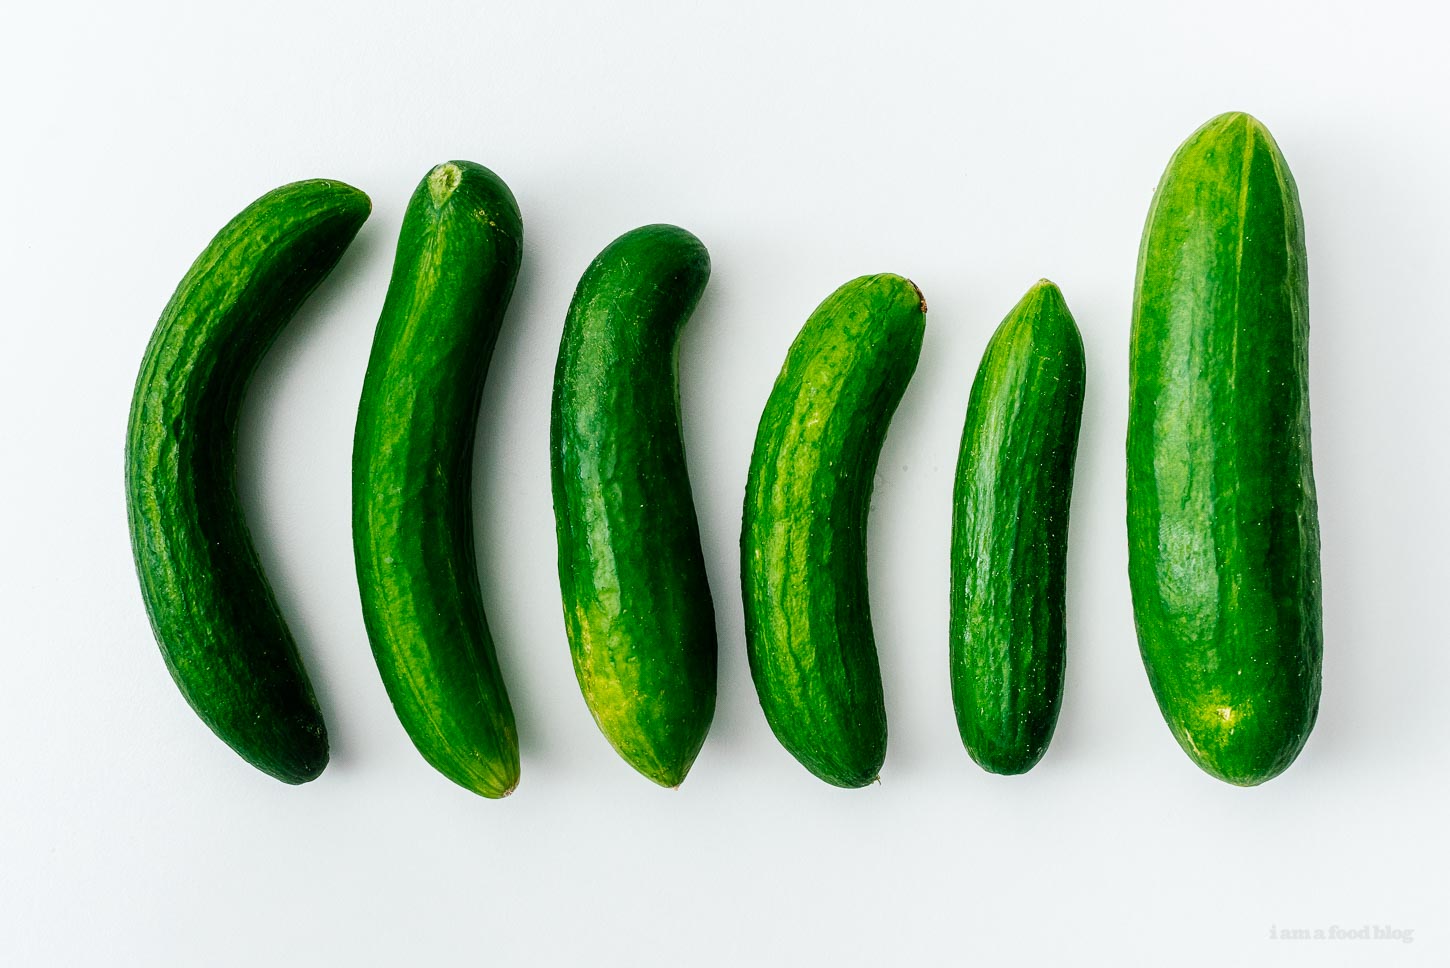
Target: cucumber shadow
(1381,553)
(709,449)
(513,529)
(1093,571)
(908,539)
(289,505)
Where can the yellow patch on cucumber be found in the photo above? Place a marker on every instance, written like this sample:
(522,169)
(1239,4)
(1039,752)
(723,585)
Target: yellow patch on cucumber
(1216,717)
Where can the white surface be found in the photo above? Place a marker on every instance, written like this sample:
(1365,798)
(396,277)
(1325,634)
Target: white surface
(974,150)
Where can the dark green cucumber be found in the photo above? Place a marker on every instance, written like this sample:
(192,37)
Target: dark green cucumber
(1009,534)
(1223,532)
(637,604)
(458,255)
(803,541)
(213,612)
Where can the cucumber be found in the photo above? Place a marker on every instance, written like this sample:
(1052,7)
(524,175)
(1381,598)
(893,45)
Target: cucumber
(211,608)
(1223,531)
(412,487)
(803,541)
(637,605)
(1009,534)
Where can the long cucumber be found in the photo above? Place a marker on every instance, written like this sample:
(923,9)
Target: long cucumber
(1009,534)
(213,612)
(457,258)
(637,604)
(808,630)
(1223,530)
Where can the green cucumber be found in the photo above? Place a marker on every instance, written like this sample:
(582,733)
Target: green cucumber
(211,608)
(1009,534)
(412,487)
(1223,531)
(637,604)
(803,542)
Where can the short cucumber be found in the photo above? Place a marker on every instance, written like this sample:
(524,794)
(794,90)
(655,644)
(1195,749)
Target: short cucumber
(1009,534)
(457,258)
(803,543)
(213,612)
(637,604)
(1223,531)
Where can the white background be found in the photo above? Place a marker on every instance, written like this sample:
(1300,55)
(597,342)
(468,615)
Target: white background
(974,148)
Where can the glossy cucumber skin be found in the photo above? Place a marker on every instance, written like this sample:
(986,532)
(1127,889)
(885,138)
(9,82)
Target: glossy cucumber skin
(213,612)
(1010,509)
(1223,533)
(453,274)
(637,605)
(803,542)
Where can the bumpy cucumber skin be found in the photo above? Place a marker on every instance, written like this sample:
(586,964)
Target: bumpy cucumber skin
(637,603)
(1009,534)
(803,542)
(211,608)
(457,258)
(1223,532)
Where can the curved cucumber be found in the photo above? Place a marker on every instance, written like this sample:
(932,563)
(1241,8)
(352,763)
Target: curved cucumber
(458,255)
(214,615)
(803,543)
(1009,534)
(636,601)
(1223,532)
